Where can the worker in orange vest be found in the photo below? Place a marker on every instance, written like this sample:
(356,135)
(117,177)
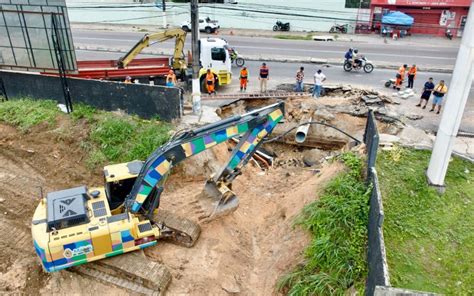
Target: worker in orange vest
(210,82)
(400,77)
(244,78)
(411,76)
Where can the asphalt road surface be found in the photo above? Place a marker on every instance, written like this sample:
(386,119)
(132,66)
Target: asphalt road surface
(285,72)
(428,54)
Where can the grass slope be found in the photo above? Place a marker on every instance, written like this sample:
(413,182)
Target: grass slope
(336,258)
(111,137)
(429,237)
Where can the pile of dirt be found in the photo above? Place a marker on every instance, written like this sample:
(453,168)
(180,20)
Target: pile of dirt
(244,252)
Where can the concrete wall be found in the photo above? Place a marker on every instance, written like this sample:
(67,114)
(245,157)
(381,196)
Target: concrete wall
(143,100)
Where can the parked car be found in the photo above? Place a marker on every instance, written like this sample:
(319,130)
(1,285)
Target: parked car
(205,25)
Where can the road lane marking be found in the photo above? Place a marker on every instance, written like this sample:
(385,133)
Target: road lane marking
(293,49)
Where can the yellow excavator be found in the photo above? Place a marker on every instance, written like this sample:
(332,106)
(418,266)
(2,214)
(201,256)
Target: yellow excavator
(214,55)
(80,225)
(179,61)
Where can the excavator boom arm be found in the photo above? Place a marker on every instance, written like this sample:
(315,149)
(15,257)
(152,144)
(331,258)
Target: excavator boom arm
(254,125)
(146,41)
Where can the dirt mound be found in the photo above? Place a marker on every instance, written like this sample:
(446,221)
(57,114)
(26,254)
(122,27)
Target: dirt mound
(245,252)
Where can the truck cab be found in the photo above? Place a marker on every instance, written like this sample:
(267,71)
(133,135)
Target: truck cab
(215,56)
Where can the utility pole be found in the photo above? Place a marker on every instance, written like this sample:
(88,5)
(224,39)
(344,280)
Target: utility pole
(196,57)
(165,23)
(458,92)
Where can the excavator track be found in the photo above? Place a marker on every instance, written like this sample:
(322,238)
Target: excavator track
(177,230)
(131,271)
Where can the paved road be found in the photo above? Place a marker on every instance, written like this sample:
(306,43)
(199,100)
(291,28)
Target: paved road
(396,53)
(284,73)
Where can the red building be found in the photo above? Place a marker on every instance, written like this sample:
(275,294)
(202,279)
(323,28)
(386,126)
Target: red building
(430,16)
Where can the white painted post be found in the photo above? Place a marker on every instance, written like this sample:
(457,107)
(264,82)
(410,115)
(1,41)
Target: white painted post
(458,92)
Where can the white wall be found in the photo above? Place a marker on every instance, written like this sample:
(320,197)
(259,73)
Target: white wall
(150,15)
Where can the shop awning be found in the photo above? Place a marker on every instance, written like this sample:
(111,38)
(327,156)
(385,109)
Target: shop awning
(397,18)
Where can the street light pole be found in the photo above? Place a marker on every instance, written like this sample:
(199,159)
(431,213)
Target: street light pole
(165,23)
(196,57)
(458,92)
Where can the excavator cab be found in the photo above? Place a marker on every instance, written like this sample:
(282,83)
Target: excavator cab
(119,180)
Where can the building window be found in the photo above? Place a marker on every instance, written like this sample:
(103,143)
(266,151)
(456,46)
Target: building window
(357,3)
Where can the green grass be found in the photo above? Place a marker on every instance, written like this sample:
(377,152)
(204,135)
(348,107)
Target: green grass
(429,237)
(335,260)
(27,113)
(294,37)
(111,137)
(116,138)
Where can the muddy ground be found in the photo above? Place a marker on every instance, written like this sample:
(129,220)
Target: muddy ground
(245,252)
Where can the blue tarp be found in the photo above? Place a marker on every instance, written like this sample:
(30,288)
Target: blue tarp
(397,18)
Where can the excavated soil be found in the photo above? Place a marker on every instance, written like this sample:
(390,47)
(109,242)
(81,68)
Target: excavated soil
(242,253)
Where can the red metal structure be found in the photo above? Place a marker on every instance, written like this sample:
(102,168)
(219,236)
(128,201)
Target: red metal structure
(138,68)
(432,17)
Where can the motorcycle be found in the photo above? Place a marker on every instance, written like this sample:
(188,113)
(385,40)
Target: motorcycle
(364,64)
(448,34)
(235,57)
(280,26)
(339,29)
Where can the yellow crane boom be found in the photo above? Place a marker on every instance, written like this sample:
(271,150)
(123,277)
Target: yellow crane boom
(179,61)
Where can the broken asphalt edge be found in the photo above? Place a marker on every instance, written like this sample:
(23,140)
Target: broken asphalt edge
(280,59)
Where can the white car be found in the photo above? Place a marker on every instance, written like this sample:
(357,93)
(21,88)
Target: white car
(206,25)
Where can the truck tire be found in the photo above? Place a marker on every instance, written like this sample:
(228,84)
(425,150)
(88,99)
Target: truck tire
(208,30)
(186,28)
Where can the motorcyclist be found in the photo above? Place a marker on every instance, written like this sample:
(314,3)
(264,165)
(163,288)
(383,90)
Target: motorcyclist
(348,55)
(357,62)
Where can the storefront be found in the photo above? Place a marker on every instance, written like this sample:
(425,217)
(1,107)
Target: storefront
(432,17)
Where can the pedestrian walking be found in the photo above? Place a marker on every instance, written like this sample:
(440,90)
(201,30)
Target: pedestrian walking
(210,82)
(438,93)
(171,79)
(411,76)
(244,78)
(400,77)
(426,93)
(264,77)
(299,80)
(319,78)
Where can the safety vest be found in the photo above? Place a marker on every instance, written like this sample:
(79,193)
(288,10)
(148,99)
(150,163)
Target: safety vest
(401,71)
(210,78)
(412,71)
(264,72)
(244,74)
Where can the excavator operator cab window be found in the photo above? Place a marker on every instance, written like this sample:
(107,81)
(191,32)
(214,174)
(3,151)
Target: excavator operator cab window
(117,191)
(119,180)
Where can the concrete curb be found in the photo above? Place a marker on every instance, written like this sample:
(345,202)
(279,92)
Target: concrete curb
(279,59)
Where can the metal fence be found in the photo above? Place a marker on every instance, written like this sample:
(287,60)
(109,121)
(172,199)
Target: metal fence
(376,259)
(371,140)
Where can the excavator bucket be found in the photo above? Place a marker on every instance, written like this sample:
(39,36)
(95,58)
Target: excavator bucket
(216,200)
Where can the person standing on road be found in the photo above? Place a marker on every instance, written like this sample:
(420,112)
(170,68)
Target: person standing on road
(438,93)
(425,96)
(411,76)
(299,80)
(244,78)
(400,77)
(263,77)
(210,82)
(319,78)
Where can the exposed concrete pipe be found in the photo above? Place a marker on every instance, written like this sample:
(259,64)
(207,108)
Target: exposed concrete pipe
(302,131)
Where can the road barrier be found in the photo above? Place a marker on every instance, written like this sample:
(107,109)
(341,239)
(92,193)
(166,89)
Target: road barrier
(146,101)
